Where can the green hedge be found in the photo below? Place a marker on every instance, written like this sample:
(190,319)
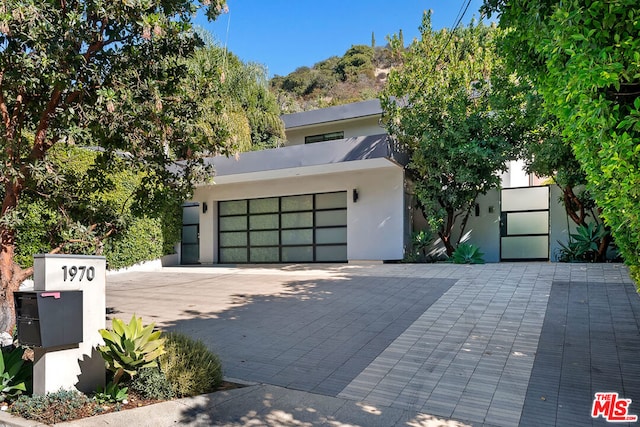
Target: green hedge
(103,199)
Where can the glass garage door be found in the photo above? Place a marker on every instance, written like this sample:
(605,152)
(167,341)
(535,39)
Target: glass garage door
(304,228)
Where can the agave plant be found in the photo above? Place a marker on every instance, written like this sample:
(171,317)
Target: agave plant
(467,253)
(15,373)
(130,347)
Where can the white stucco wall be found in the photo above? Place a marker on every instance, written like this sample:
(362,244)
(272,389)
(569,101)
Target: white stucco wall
(374,222)
(484,230)
(351,128)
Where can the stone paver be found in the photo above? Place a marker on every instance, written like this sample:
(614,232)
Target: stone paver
(321,336)
(485,345)
(470,354)
(589,343)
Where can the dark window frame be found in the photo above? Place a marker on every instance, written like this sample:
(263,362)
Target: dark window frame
(329,136)
(247,214)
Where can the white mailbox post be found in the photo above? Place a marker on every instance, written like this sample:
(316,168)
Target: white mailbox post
(80,367)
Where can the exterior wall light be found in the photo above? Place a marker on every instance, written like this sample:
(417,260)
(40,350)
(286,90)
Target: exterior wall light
(204,207)
(355,195)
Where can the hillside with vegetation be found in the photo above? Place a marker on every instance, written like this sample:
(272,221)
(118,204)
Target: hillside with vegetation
(358,75)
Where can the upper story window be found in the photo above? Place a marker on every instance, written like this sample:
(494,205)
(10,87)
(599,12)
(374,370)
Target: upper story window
(323,137)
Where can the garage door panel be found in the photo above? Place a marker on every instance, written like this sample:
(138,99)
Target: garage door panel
(297,220)
(233,238)
(233,223)
(329,218)
(331,253)
(264,254)
(264,222)
(297,203)
(297,254)
(263,205)
(331,235)
(300,228)
(233,255)
(331,200)
(234,207)
(264,238)
(297,237)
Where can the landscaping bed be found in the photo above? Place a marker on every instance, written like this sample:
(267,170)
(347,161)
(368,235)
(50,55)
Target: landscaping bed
(143,367)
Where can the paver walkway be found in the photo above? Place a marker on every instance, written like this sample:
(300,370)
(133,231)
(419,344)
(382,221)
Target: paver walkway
(494,345)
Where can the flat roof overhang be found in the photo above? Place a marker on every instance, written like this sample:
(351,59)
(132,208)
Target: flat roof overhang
(359,165)
(355,110)
(345,155)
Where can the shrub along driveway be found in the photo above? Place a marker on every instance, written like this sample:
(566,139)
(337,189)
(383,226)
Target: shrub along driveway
(481,344)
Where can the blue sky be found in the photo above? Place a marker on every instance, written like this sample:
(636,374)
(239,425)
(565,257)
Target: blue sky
(286,34)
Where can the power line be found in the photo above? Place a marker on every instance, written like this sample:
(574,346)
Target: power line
(461,12)
(457,22)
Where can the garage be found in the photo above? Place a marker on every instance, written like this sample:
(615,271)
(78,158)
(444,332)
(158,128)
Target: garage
(298,228)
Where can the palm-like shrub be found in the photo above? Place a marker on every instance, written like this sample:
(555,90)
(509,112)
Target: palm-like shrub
(130,347)
(467,253)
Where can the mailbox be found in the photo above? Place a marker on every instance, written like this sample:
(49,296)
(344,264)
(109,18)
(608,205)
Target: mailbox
(49,318)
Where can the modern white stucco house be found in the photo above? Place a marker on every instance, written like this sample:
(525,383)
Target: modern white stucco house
(338,197)
(337,192)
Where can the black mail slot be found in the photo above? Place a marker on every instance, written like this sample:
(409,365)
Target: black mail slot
(49,318)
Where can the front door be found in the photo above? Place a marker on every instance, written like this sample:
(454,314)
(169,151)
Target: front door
(190,243)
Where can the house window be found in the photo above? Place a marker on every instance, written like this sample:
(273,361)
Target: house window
(323,137)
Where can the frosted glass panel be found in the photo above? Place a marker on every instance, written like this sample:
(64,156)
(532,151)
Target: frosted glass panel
(297,203)
(190,254)
(264,255)
(528,223)
(331,218)
(525,199)
(190,234)
(331,235)
(263,238)
(235,207)
(233,223)
(233,255)
(263,222)
(191,215)
(297,237)
(529,247)
(263,205)
(331,200)
(297,220)
(331,253)
(297,254)
(233,239)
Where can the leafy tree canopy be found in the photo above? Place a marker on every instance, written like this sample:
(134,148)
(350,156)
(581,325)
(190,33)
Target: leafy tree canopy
(248,117)
(585,59)
(101,73)
(438,105)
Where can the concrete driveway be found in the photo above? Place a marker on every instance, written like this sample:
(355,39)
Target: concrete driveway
(497,344)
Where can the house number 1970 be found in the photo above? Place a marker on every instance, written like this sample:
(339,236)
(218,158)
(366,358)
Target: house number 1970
(82,272)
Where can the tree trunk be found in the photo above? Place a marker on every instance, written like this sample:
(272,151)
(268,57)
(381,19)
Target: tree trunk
(572,204)
(11,276)
(445,232)
(601,256)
